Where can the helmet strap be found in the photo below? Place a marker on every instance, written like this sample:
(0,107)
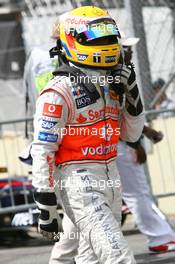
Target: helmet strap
(57,51)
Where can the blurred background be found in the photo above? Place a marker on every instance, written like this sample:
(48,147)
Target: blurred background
(25,24)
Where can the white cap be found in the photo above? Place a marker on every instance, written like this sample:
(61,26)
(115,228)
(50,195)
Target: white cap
(124,41)
(129,41)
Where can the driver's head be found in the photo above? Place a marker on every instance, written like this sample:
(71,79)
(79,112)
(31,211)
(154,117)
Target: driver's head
(89,37)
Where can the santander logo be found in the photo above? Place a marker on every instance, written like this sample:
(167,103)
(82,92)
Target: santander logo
(95,114)
(81,118)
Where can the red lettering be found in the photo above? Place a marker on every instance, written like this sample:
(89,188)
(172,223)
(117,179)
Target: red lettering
(91,114)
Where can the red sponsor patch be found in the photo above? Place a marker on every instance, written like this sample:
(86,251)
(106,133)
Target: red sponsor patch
(81,118)
(52,110)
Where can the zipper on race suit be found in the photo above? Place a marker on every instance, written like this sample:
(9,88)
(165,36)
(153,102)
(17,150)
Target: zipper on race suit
(104,118)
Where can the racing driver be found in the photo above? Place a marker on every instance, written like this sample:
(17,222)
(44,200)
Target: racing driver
(76,129)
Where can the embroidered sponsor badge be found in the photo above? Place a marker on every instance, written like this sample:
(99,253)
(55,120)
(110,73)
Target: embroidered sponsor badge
(96,57)
(109,59)
(82,57)
(52,110)
(83,101)
(48,137)
(46,124)
(77,91)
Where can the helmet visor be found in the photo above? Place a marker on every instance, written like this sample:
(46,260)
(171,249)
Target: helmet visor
(99,32)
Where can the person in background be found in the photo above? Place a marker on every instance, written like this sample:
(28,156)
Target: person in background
(157,86)
(163,102)
(37,72)
(135,189)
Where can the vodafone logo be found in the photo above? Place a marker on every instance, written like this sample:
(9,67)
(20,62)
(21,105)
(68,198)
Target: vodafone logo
(52,110)
(77,21)
(99,150)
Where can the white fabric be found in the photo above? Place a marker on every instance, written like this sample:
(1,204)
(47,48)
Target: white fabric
(136,193)
(95,207)
(130,126)
(40,150)
(96,214)
(66,249)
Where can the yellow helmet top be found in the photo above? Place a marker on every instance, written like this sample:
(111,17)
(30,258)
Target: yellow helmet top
(89,11)
(89,37)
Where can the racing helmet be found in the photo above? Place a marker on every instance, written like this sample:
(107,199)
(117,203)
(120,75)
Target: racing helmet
(89,37)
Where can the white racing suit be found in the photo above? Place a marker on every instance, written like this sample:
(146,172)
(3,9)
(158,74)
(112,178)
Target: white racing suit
(73,133)
(65,251)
